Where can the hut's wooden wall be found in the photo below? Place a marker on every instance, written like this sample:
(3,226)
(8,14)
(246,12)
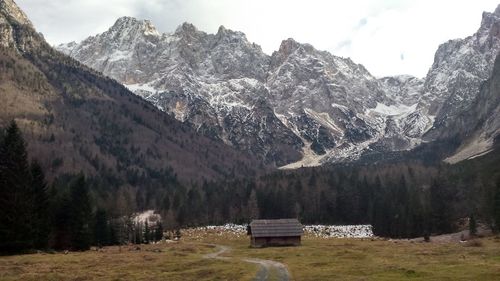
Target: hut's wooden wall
(275,241)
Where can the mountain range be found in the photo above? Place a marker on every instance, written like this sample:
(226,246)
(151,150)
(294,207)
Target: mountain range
(74,119)
(301,106)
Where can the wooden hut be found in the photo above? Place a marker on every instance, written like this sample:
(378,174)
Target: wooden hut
(282,232)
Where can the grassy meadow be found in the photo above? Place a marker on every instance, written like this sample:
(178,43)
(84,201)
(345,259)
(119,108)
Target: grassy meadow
(317,259)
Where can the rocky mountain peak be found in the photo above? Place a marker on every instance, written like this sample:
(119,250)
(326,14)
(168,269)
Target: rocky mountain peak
(126,25)
(490,18)
(229,36)
(12,12)
(490,28)
(186,28)
(222,30)
(125,21)
(497,10)
(150,29)
(288,46)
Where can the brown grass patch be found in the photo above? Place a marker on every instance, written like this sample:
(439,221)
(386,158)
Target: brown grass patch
(474,243)
(316,259)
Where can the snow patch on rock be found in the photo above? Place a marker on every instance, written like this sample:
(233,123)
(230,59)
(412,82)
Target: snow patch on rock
(392,110)
(150,216)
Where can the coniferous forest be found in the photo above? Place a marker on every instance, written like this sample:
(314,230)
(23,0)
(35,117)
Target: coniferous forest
(36,215)
(401,200)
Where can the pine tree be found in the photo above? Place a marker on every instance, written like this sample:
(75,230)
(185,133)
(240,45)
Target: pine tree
(81,213)
(166,203)
(158,232)
(41,219)
(253,206)
(101,228)
(16,198)
(62,213)
(113,238)
(312,179)
(440,203)
(472,225)
(147,232)
(138,233)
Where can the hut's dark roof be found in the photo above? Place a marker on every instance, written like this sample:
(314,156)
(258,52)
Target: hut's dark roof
(276,228)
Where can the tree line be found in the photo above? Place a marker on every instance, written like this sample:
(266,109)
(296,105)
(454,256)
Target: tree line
(34,215)
(402,200)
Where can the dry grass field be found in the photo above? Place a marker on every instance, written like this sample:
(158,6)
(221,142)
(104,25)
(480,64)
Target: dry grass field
(171,261)
(317,259)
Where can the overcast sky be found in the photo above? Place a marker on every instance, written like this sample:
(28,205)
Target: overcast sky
(389,37)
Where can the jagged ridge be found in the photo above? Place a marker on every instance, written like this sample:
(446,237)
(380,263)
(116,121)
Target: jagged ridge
(297,103)
(319,103)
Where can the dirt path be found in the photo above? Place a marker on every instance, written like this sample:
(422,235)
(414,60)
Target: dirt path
(220,250)
(265,266)
(456,237)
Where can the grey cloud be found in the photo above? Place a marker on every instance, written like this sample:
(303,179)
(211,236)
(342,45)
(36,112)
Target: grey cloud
(363,22)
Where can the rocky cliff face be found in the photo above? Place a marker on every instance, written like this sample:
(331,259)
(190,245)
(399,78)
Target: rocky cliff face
(460,67)
(299,106)
(12,21)
(479,125)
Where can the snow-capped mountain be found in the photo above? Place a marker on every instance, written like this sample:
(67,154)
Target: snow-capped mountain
(214,82)
(453,85)
(299,106)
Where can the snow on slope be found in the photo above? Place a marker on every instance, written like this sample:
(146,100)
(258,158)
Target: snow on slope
(327,108)
(141,87)
(150,216)
(392,110)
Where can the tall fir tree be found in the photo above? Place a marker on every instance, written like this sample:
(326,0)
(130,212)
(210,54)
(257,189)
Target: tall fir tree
(158,235)
(472,225)
(253,206)
(138,233)
(102,230)
(147,232)
(61,220)
(440,206)
(16,200)
(41,211)
(81,214)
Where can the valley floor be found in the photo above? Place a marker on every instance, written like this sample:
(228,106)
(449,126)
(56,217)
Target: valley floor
(228,257)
